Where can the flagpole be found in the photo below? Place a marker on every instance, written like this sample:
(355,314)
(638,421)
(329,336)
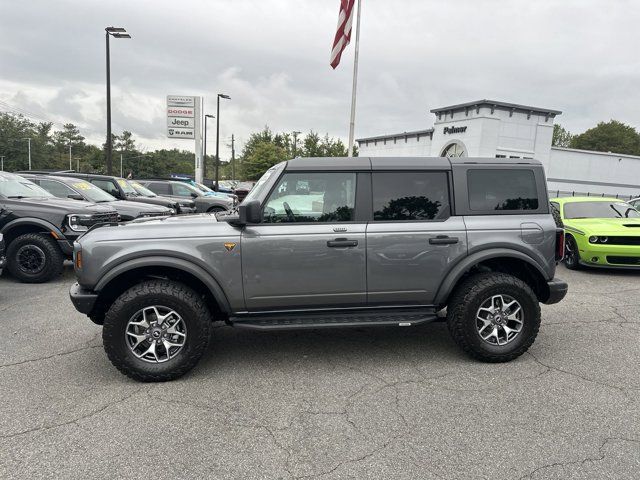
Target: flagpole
(355,83)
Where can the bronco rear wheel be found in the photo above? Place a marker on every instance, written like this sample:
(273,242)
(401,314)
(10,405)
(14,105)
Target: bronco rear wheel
(156,331)
(494,317)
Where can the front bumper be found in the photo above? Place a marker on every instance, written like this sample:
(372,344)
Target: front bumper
(557,291)
(610,256)
(83,300)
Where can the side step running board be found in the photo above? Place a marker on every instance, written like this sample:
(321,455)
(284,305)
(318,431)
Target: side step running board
(333,319)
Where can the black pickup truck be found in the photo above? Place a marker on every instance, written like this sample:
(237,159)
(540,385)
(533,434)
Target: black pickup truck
(39,229)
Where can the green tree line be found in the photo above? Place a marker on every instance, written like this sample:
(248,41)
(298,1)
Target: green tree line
(612,136)
(50,150)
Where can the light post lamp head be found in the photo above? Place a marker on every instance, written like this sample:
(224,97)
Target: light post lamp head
(117,32)
(222,95)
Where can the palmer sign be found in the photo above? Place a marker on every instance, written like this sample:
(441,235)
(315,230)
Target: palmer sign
(451,130)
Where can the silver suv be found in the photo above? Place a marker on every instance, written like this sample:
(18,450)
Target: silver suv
(332,242)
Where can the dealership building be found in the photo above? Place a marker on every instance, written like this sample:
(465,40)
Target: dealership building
(488,128)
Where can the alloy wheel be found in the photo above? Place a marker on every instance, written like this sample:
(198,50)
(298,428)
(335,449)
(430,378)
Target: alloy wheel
(156,334)
(499,319)
(31,259)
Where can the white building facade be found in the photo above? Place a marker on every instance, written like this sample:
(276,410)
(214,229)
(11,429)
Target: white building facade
(488,128)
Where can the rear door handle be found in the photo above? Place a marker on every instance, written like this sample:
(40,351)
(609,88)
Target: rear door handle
(342,243)
(443,240)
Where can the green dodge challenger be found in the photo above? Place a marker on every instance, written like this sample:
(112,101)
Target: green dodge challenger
(600,232)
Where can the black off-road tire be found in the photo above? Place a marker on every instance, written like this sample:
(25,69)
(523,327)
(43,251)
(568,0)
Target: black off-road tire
(177,296)
(571,254)
(467,299)
(43,244)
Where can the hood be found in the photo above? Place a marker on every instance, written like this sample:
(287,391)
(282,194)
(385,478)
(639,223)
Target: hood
(606,226)
(200,225)
(59,205)
(135,208)
(165,202)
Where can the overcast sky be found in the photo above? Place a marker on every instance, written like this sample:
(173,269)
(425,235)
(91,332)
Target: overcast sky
(272,58)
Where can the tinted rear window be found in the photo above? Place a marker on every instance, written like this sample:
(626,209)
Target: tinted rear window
(502,189)
(410,196)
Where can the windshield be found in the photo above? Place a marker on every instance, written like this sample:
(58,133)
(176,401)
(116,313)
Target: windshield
(14,186)
(257,189)
(204,188)
(142,190)
(611,209)
(126,188)
(91,192)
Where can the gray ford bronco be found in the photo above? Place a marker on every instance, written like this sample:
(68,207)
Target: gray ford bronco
(332,242)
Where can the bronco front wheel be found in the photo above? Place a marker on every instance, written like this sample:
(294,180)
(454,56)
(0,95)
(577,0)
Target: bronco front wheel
(156,331)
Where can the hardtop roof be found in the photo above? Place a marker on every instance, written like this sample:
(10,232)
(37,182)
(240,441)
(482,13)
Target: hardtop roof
(397,163)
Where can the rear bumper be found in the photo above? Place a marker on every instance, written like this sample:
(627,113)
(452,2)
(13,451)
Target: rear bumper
(557,291)
(83,300)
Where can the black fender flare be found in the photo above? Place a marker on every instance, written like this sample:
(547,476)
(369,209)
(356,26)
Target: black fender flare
(450,281)
(173,262)
(34,222)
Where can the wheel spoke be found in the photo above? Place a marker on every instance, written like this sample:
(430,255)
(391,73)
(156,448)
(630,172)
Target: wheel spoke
(139,339)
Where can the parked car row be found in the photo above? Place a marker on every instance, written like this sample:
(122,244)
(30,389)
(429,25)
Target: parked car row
(42,213)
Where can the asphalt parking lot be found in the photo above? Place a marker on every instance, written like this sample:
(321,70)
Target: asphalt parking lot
(365,403)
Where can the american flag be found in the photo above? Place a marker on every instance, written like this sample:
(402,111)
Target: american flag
(343,34)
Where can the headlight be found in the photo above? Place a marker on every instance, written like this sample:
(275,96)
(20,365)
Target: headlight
(593,239)
(173,211)
(79,223)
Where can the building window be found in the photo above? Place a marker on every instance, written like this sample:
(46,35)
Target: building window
(454,150)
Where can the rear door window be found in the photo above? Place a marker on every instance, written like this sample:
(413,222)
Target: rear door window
(159,188)
(502,189)
(106,185)
(402,196)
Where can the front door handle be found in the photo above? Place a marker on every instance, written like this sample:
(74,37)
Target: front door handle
(342,243)
(443,240)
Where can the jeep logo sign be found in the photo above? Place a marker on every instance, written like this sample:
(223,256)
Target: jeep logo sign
(454,130)
(180,122)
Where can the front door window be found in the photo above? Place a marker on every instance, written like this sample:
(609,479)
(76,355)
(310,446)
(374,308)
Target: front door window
(312,197)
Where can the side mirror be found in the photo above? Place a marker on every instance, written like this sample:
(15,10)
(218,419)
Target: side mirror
(75,196)
(249,212)
(194,195)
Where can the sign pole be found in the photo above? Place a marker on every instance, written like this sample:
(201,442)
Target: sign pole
(355,83)
(198,139)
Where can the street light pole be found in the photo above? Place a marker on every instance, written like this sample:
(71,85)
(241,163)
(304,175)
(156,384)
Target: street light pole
(117,32)
(1,163)
(70,167)
(220,95)
(295,142)
(204,161)
(29,153)
(233,157)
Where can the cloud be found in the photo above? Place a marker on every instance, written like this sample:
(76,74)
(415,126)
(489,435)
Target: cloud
(271,57)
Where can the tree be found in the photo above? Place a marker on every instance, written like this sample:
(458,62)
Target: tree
(612,136)
(262,156)
(561,136)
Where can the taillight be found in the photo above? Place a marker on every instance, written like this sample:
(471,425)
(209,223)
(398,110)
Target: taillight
(559,244)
